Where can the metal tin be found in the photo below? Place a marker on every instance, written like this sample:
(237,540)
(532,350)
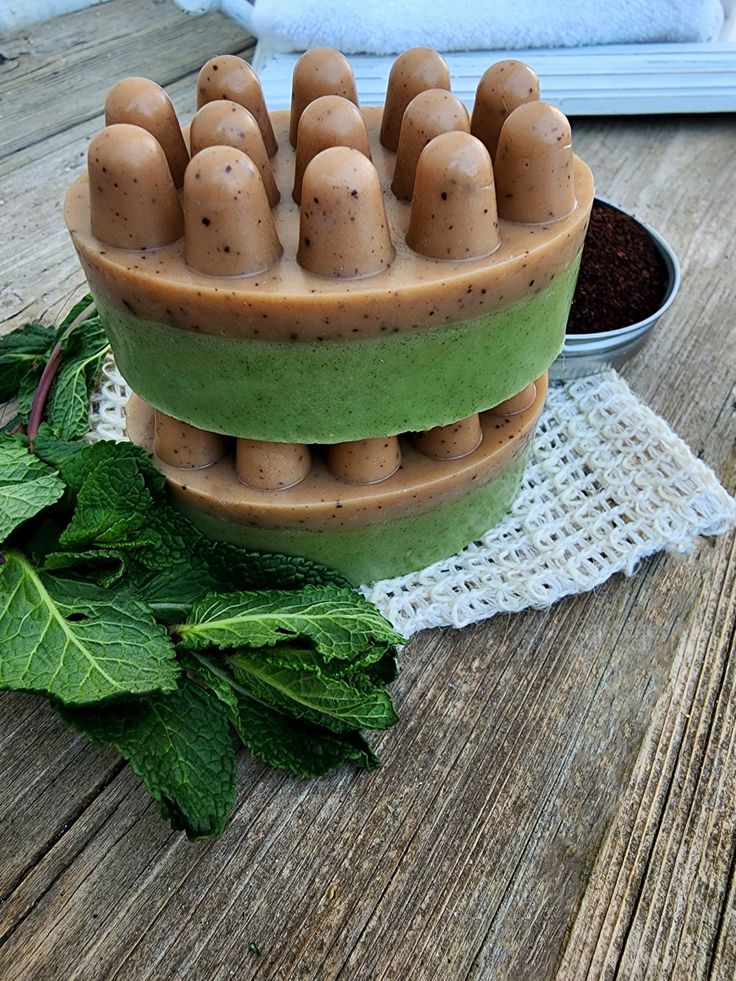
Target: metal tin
(588,354)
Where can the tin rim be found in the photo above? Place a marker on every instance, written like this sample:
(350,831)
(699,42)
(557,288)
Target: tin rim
(597,340)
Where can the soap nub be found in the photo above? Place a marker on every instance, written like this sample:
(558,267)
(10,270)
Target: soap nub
(228,226)
(271,466)
(453,211)
(320,71)
(365,461)
(451,442)
(229,77)
(534,165)
(330,120)
(503,87)
(517,403)
(141,102)
(343,229)
(180,445)
(430,113)
(413,71)
(133,201)
(225,123)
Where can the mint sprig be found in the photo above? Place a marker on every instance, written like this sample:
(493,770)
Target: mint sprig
(146,635)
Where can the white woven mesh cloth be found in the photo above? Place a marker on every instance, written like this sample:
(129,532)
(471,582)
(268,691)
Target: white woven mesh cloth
(608,484)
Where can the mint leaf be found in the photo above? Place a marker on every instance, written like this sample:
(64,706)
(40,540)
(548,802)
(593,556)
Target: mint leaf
(286,743)
(104,566)
(54,451)
(337,620)
(27,485)
(170,592)
(360,670)
(180,746)
(23,354)
(73,595)
(25,395)
(112,506)
(83,349)
(117,650)
(234,567)
(76,467)
(331,702)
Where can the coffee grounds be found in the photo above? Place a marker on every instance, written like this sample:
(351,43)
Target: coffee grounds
(622,279)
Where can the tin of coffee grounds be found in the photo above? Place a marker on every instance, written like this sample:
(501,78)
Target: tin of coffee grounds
(622,279)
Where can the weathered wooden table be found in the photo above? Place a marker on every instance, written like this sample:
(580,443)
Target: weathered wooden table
(560,797)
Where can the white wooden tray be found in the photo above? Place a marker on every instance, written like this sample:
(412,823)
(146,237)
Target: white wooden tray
(628,79)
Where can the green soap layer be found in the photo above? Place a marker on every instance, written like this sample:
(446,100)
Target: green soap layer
(334,390)
(386,549)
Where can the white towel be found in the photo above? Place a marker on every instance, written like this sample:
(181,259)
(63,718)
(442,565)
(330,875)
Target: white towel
(383,27)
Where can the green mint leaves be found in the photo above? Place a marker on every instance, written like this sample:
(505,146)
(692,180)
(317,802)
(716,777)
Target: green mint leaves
(312,694)
(83,350)
(23,355)
(149,637)
(180,746)
(27,486)
(338,623)
(111,650)
(49,372)
(275,737)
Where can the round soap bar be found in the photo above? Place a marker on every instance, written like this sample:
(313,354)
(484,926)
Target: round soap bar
(289,355)
(426,509)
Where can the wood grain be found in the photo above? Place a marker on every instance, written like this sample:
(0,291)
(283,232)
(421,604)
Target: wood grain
(558,800)
(137,37)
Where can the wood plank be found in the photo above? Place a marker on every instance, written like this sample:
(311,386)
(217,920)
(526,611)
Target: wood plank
(55,76)
(590,81)
(660,899)
(640,915)
(39,270)
(39,761)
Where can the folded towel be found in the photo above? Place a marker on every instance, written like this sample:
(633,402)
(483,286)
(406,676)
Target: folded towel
(377,27)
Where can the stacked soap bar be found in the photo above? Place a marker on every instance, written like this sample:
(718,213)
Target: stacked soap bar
(336,318)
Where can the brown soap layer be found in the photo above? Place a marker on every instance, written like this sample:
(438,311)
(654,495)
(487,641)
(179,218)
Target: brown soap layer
(503,87)
(428,114)
(329,121)
(225,123)
(290,303)
(321,500)
(141,102)
(453,212)
(451,442)
(183,446)
(517,403)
